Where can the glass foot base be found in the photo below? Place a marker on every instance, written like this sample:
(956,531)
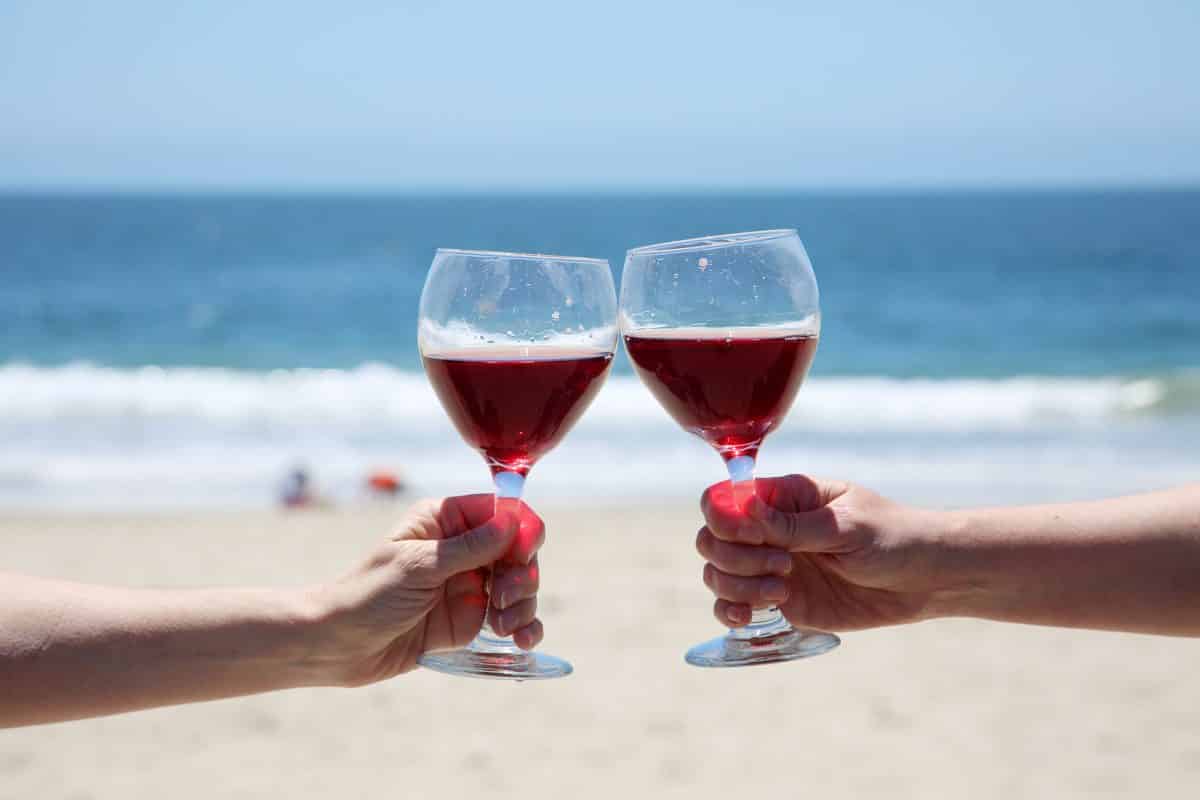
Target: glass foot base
(513,665)
(734,651)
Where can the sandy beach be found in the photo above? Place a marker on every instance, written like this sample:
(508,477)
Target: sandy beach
(946,709)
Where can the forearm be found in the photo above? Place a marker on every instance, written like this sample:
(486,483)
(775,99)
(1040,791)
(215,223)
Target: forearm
(69,651)
(1131,564)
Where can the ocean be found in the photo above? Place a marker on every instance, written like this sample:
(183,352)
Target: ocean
(177,350)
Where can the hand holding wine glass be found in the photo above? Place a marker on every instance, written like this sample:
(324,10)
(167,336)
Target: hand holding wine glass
(722,330)
(831,555)
(424,589)
(846,558)
(516,346)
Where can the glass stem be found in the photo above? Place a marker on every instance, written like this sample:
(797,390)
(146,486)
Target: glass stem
(741,478)
(509,486)
(764,621)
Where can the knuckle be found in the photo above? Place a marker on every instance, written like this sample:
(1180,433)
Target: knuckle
(722,586)
(793,528)
(419,521)
(850,520)
(426,504)
(752,561)
(732,558)
(415,560)
(725,532)
(763,556)
(425,508)
(471,544)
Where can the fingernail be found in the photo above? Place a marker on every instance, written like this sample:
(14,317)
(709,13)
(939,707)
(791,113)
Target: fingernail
(775,590)
(502,600)
(780,563)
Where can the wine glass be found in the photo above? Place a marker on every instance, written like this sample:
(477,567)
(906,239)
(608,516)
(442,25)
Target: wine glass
(722,330)
(515,346)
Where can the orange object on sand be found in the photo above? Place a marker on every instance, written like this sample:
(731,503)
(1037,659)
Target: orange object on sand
(384,481)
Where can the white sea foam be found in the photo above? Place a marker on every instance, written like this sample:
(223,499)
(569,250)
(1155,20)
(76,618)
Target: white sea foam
(374,394)
(93,436)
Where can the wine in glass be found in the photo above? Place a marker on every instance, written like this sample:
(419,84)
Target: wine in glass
(515,346)
(722,330)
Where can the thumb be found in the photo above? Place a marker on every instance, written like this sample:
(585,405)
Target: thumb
(813,530)
(798,492)
(476,548)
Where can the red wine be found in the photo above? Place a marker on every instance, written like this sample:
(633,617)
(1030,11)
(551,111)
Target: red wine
(732,391)
(511,407)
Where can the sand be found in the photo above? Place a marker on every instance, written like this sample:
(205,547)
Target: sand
(954,708)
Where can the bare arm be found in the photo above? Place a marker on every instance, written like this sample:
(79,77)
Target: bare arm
(1131,563)
(858,560)
(71,650)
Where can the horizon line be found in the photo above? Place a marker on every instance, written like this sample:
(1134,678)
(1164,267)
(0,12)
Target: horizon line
(55,188)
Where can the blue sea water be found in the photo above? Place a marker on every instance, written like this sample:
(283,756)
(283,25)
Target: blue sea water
(975,345)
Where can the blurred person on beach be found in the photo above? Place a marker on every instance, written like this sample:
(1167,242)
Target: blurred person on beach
(297,490)
(69,651)
(838,557)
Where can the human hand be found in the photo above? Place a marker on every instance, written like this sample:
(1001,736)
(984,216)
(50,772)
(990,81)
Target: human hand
(426,589)
(832,556)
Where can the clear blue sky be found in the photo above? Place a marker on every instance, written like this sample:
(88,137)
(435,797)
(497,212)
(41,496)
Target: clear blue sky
(563,94)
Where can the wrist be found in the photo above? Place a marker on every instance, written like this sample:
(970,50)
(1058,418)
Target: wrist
(958,587)
(304,616)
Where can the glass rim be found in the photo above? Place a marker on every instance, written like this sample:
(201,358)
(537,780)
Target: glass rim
(712,241)
(498,254)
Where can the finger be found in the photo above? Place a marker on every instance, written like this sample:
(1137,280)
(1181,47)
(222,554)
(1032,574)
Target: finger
(466,585)
(725,518)
(756,592)
(446,517)
(465,607)
(531,533)
(514,582)
(513,618)
(788,513)
(530,636)
(815,531)
(457,515)
(732,615)
(741,559)
(473,549)
(797,493)
(435,518)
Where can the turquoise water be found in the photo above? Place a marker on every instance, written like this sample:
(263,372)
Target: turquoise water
(912,285)
(206,342)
